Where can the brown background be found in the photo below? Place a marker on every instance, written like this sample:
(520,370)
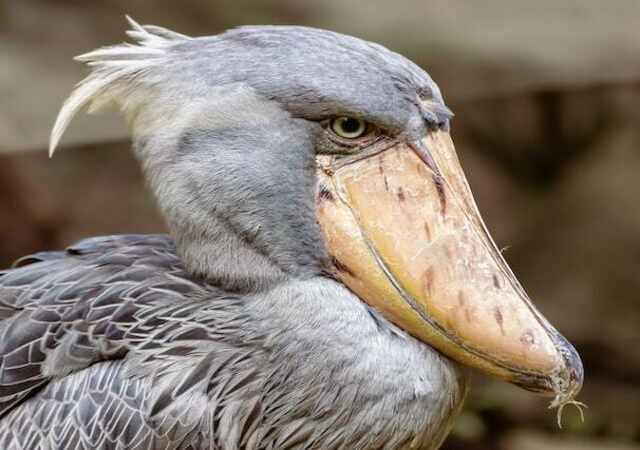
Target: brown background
(547,102)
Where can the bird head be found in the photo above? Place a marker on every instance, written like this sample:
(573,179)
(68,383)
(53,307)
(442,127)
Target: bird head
(292,152)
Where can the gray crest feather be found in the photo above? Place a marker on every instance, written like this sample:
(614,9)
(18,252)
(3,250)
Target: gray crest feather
(115,71)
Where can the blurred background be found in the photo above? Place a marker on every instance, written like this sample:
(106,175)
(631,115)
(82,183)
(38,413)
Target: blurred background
(547,103)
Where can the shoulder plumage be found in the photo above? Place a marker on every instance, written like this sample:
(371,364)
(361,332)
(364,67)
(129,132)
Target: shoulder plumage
(63,311)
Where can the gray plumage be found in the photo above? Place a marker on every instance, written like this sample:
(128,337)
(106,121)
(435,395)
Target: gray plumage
(236,336)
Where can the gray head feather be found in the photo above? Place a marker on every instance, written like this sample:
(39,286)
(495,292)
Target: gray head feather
(226,128)
(313,73)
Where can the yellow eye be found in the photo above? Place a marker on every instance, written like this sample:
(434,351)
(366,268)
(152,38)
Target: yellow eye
(348,127)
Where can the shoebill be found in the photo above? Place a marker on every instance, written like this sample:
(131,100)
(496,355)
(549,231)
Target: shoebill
(326,277)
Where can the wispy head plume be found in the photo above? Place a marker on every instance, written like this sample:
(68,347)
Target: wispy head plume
(116,73)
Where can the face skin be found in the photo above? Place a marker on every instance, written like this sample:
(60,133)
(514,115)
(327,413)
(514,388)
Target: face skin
(318,154)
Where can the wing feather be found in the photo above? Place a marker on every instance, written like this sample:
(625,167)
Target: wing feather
(60,312)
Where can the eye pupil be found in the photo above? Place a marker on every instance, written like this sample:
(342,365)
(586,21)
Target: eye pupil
(350,125)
